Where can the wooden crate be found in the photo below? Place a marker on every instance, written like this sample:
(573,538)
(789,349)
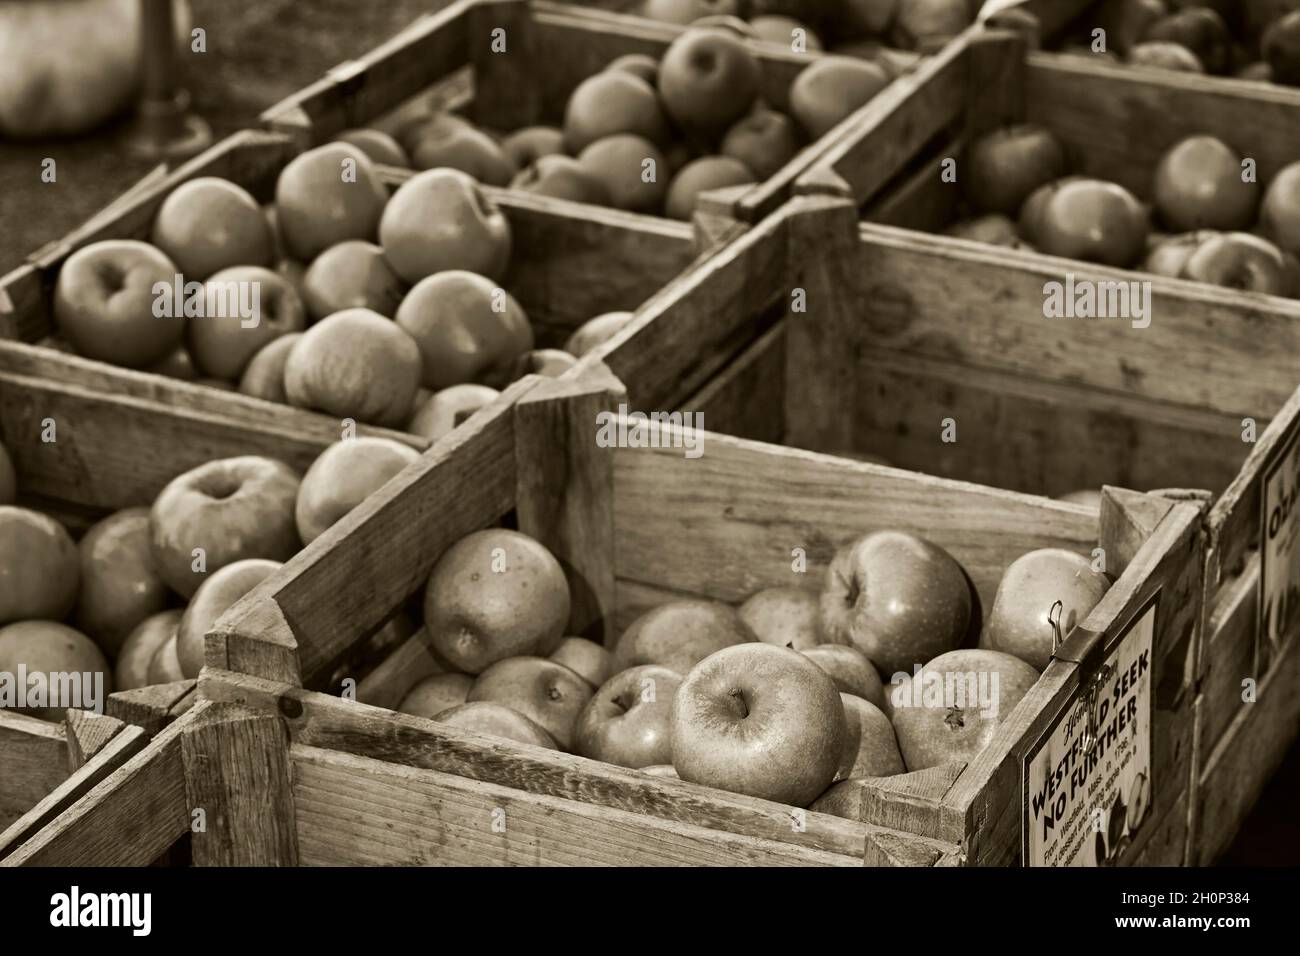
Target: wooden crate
(354,783)
(119,438)
(570,262)
(445,60)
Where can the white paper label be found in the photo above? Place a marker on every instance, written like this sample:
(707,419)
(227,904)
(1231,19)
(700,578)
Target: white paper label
(1083,809)
(1279,598)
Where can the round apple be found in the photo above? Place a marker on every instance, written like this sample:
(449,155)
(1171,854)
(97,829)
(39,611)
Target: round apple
(547,693)
(467,329)
(39,567)
(595,331)
(232,509)
(50,648)
(585,658)
(831,89)
(897,598)
(609,103)
(638,64)
(264,375)
(462,147)
(497,720)
(626,722)
(344,476)
(870,747)
(378,145)
(849,668)
(954,712)
(165,666)
(701,175)
(708,79)
(633,171)
(440,220)
(106,305)
(494,594)
(1199,185)
(787,617)
(1005,166)
(1239,260)
(562,177)
(210,224)
(246,308)
(435,694)
(120,586)
(325,196)
(131,669)
(217,595)
(760,720)
(679,634)
(1281,212)
(1093,220)
(446,409)
(351,275)
(764,141)
(355,364)
(526,146)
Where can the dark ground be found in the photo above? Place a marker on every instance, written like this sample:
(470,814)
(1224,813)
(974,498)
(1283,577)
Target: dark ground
(258,53)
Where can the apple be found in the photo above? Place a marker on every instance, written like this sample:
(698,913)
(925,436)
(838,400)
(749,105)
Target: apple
(764,141)
(264,375)
(760,720)
(355,364)
(1165,56)
(217,595)
(1030,223)
(461,147)
(597,331)
(1020,622)
(831,89)
(1258,15)
(497,720)
(585,658)
(352,275)
(326,195)
(870,747)
(919,24)
(708,79)
(131,669)
(784,616)
(638,64)
(119,585)
(494,594)
(1200,30)
(1004,167)
(346,474)
(378,145)
(210,224)
(701,175)
(439,220)
(633,171)
(785,31)
(104,303)
(547,693)
(165,665)
(40,569)
(435,694)
(1199,185)
(1281,48)
(849,668)
(448,408)
(626,722)
(526,146)
(1168,257)
(1280,215)
(562,177)
(1093,220)
(962,700)
(1239,260)
(688,11)
(223,342)
(467,329)
(993,228)
(609,103)
(8,478)
(897,598)
(232,509)
(50,648)
(679,634)
(551,363)
(179,365)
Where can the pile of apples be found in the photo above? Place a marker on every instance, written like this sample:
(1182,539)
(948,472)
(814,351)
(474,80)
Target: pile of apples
(854,24)
(384,311)
(779,698)
(646,136)
(1249,39)
(1206,221)
(137,591)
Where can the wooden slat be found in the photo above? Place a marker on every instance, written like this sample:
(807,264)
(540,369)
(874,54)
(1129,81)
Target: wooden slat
(408,664)
(33,762)
(152,707)
(87,733)
(912,802)
(351,579)
(317,720)
(354,811)
(115,752)
(1229,656)
(747,398)
(130,818)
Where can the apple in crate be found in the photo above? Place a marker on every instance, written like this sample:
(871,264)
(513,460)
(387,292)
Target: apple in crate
(626,722)
(679,634)
(342,477)
(547,693)
(850,669)
(325,196)
(435,694)
(210,224)
(131,669)
(217,595)
(39,567)
(1199,185)
(439,220)
(47,647)
(870,747)
(497,720)
(785,616)
(120,586)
